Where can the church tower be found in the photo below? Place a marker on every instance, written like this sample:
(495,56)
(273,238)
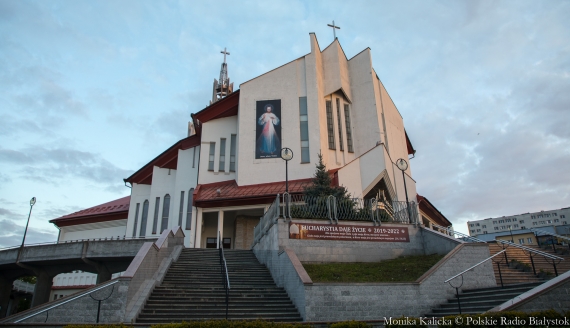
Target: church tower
(223,87)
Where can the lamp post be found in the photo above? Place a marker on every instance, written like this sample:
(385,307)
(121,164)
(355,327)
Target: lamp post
(402,164)
(32,202)
(287,155)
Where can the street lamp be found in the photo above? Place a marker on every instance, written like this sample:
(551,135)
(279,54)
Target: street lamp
(403,165)
(287,155)
(32,202)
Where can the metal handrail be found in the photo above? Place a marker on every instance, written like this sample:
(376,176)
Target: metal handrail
(224,268)
(485,260)
(542,232)
(550,256)
(78,241)
(67,301)
(477,240)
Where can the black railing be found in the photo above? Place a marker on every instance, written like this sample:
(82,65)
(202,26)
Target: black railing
(531,252)
(539,232)
(224,271)
(465,271)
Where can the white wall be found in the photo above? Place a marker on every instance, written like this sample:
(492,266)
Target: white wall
(171,182)
(213,131)
(106,229)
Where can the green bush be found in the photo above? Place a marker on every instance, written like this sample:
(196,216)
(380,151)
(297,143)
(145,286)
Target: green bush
(208,324)
(350,324)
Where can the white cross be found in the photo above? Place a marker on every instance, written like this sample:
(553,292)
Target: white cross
(334,27)
(227,53)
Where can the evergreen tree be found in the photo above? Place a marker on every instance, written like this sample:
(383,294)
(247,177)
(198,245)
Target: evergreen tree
(322,183)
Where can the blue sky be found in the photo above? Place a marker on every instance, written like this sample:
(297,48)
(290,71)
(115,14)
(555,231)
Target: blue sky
(92,90)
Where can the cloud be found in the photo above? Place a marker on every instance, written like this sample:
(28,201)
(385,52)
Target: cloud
(11,234)
(52,165)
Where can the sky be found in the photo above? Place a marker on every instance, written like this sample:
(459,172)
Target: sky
(90,91)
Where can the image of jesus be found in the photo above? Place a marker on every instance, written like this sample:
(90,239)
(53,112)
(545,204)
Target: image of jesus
(268,140)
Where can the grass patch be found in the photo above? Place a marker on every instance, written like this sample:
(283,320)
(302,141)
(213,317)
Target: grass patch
(402,269)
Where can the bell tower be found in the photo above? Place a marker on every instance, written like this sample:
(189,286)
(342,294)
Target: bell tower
(223,87)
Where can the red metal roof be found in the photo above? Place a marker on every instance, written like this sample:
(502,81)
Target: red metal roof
(427,207)
(113,210)
(230,194)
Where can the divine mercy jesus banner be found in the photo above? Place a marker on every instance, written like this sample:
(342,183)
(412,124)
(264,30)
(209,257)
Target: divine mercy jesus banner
(268,129)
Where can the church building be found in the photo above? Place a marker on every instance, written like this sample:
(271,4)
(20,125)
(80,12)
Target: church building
(221,178)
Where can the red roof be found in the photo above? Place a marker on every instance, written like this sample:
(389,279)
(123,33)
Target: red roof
(427,207)
(113,210)
(230,194)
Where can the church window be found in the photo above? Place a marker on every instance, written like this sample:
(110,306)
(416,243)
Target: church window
(165,212)
(211,158)
(233,153)
(194,158)
(181,210)
(144,219)
(348,129)
(330,125)
(189,209)
(155,221)
(304,124)
(339,125)
(136,219)
(222,167)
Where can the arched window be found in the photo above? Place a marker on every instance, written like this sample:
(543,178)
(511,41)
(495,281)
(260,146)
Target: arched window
(155,220)
(144,219)
(165,212)
(189,209)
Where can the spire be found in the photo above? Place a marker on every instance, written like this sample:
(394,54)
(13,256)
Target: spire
(223,87)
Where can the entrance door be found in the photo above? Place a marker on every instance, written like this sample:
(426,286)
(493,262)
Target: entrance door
(211,242)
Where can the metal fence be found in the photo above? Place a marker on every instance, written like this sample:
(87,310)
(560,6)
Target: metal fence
(353,209)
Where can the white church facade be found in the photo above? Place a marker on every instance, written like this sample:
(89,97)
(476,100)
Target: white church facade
(230,169)
(221,178)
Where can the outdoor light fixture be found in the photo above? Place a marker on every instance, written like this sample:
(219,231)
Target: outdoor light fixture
(32,203)
(402,164)
(286,155)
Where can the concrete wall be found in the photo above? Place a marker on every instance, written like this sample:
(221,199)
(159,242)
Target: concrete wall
(552,295)
(438,243)
(317,251)
(374,301)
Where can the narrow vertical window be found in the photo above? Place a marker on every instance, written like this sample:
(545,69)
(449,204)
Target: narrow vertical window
(155,221)
(189,210)
(304,123)
(233,153)
(348,129)
(330,125)
(340,142)
(144,219)
(181,211)
(194,158)
(211,158)
(222,167)
(136,220)
(165,213)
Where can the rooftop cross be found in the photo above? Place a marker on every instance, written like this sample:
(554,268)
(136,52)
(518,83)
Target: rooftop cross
(227,53)
(334,27)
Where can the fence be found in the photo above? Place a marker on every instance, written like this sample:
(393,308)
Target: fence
(353,209)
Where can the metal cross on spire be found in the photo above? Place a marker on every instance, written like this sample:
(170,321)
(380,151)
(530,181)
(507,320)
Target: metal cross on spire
(334,27)
(227,53)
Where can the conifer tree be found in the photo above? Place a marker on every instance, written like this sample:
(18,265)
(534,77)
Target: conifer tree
(322,183)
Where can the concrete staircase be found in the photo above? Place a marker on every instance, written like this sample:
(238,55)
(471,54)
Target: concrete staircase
(480,300)
(193,290)
(515,276)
